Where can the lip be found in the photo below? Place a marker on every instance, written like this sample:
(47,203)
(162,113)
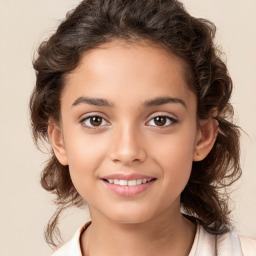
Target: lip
(128,191)
(126,176)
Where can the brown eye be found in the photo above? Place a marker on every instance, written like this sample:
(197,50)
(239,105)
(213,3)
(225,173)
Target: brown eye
(163,121)
(96,121)
(93,121)
(160,120)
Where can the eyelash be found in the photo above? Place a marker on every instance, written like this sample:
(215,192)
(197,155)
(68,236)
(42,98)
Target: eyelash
(172,121)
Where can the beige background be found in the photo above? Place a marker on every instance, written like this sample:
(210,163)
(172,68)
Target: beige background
(25,207)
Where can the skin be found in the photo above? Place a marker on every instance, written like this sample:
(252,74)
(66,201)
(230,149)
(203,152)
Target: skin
(127,139)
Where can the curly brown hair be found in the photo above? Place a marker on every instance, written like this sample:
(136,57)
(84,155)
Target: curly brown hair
(168,24)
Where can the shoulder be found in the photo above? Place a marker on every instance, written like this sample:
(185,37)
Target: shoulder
(226,244)
(248,246)
(245,244)
(72,247)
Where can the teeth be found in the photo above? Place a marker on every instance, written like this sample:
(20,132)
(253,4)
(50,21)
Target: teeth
(124,182)
(128,182)
(139,182)
(132,183)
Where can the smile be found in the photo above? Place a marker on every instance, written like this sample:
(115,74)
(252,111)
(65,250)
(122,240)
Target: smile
(128,182)
(128,187)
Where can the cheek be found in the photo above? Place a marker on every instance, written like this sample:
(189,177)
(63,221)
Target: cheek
(82,147)
(81,150)
(175,156)
(84,153)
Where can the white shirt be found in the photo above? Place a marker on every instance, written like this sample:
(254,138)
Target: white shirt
(205,244)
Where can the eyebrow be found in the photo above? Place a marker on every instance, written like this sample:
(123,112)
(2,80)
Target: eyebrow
(92,101)
(164,100)
(149,103)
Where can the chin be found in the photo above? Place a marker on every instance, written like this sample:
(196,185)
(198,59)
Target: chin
(129,216)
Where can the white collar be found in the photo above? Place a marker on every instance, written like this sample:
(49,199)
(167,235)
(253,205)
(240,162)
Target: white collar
(205,244)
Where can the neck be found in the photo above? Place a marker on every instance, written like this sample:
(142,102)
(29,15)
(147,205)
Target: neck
(168,234)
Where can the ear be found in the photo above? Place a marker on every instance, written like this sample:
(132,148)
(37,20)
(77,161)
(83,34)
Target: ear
(56,137)
(208,132)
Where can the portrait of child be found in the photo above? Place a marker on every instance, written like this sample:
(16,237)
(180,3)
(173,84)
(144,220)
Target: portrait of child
(134,100)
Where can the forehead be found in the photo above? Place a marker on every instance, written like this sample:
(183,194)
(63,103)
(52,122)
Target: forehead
(130,69)
(146,55)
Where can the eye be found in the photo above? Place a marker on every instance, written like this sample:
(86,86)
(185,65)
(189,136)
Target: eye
(94,121)
(164,121)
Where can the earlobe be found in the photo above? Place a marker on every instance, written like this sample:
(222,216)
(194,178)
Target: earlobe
(208,134)
(57,142)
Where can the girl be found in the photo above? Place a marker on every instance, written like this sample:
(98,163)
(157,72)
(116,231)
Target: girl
(134,100)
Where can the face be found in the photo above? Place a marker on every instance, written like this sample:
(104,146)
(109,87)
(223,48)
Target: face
(128,131)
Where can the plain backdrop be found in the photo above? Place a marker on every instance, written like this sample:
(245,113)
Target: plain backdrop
(25,206)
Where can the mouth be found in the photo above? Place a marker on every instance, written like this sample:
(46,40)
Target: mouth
(130,183)
(128,187)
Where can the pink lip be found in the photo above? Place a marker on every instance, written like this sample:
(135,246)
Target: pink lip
(128,190)
(121,176)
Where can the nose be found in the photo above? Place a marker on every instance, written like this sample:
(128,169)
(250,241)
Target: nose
(127,145)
